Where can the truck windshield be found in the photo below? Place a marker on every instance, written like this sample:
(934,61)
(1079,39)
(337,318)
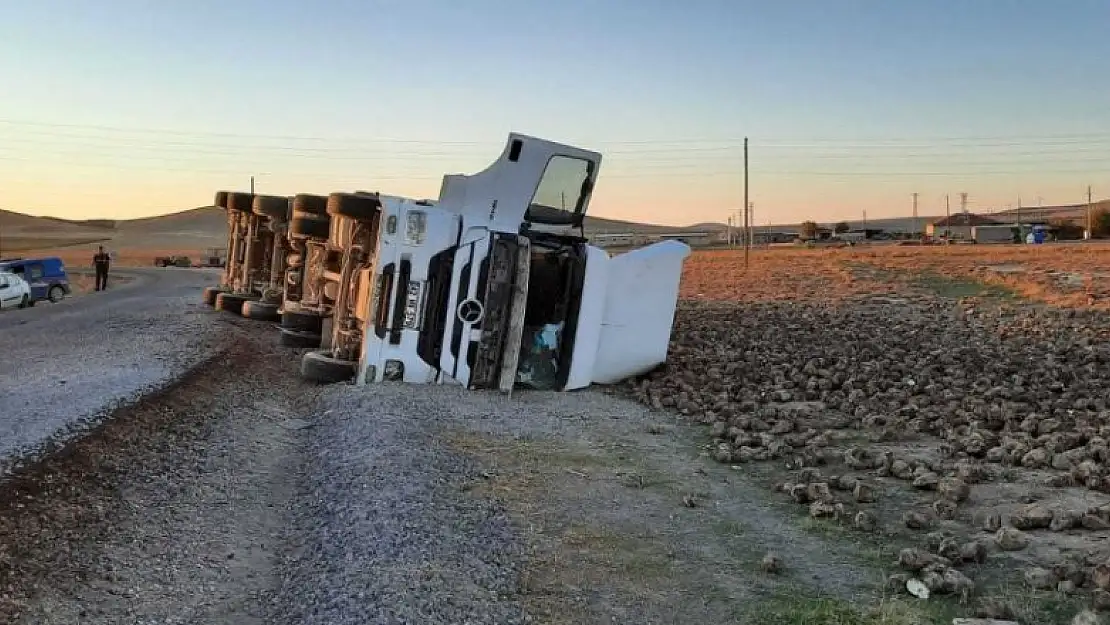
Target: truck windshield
(563,191)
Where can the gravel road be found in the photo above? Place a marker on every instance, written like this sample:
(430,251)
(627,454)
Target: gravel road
(64,365)
(389,534)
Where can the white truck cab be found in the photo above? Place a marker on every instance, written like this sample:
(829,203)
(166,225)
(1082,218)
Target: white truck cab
(488,287)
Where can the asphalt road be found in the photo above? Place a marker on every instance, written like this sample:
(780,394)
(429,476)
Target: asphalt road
(63,365)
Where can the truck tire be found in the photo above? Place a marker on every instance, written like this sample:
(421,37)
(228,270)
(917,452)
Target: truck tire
(320,367)
(275,207)
(231,302)
(302,322)
(260,311)
(300,339)
(310,204)
(354,206)
(210,293)
(310,226)
(221,199)
(241,202)
(56,294)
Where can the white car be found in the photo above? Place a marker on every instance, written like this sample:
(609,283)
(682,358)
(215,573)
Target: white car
(14,291)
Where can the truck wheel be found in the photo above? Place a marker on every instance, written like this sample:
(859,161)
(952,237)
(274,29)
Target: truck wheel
(210,293)
(320,367)
(25,302)
(241,202)
(302,322)
(56,294)
(300,339)
(304,226)
(260,311)
(275,207)
(231,302)
(353,206)
(310,204)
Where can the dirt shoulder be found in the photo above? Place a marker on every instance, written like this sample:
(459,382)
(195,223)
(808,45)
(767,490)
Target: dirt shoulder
(171,510)
(625,519)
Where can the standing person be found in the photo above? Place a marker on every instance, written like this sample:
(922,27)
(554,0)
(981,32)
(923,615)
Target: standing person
(100,261)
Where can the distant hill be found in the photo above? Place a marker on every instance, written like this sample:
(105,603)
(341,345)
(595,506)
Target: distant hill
(1072,212)
(600,225)
(201,227)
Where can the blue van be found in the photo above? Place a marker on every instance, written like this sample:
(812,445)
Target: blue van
(46,276)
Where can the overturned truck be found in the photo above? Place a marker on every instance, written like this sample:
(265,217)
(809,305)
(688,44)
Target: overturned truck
(256,252)
(490,287)
(306,304)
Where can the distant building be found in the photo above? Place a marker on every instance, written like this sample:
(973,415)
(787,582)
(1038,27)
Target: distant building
(958,226)
(763,237)
(860,234)
(693,239)
(616,239)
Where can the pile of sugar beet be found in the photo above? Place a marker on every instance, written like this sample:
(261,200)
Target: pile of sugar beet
(996,386)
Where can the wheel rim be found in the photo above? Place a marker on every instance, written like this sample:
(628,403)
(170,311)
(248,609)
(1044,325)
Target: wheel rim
(55,294)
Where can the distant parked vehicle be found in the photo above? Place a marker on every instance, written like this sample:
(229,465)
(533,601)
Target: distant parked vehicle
(14,292)
(173,261)
(214,257)
(46,276)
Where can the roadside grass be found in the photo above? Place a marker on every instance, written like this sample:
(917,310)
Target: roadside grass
(27,244)
(956,288)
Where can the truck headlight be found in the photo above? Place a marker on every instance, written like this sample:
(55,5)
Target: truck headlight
(412,303)
(416,227)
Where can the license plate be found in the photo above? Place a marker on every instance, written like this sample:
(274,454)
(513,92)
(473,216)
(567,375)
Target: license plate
(412,303)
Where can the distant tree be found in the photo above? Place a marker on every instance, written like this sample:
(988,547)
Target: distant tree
(809,229)
(841,227)
(1066,230)
(1100,223)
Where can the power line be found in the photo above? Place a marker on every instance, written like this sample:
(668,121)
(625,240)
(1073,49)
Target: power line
(983,139)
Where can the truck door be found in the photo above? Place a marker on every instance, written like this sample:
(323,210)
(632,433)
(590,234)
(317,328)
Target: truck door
(627,313)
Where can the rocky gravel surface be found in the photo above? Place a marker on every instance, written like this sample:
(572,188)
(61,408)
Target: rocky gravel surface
(915,415)
(66,365)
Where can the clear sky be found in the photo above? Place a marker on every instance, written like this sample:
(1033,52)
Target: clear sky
(125,108)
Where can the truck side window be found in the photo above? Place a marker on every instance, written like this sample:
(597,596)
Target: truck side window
(35,272)
(562,191)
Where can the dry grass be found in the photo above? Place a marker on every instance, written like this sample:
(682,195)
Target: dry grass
(776,274)
(31,243)
(1063,275)
(126,257)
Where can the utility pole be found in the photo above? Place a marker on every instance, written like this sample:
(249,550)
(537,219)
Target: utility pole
(1090,233)
(916,224)
(252,185)
(746,208)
